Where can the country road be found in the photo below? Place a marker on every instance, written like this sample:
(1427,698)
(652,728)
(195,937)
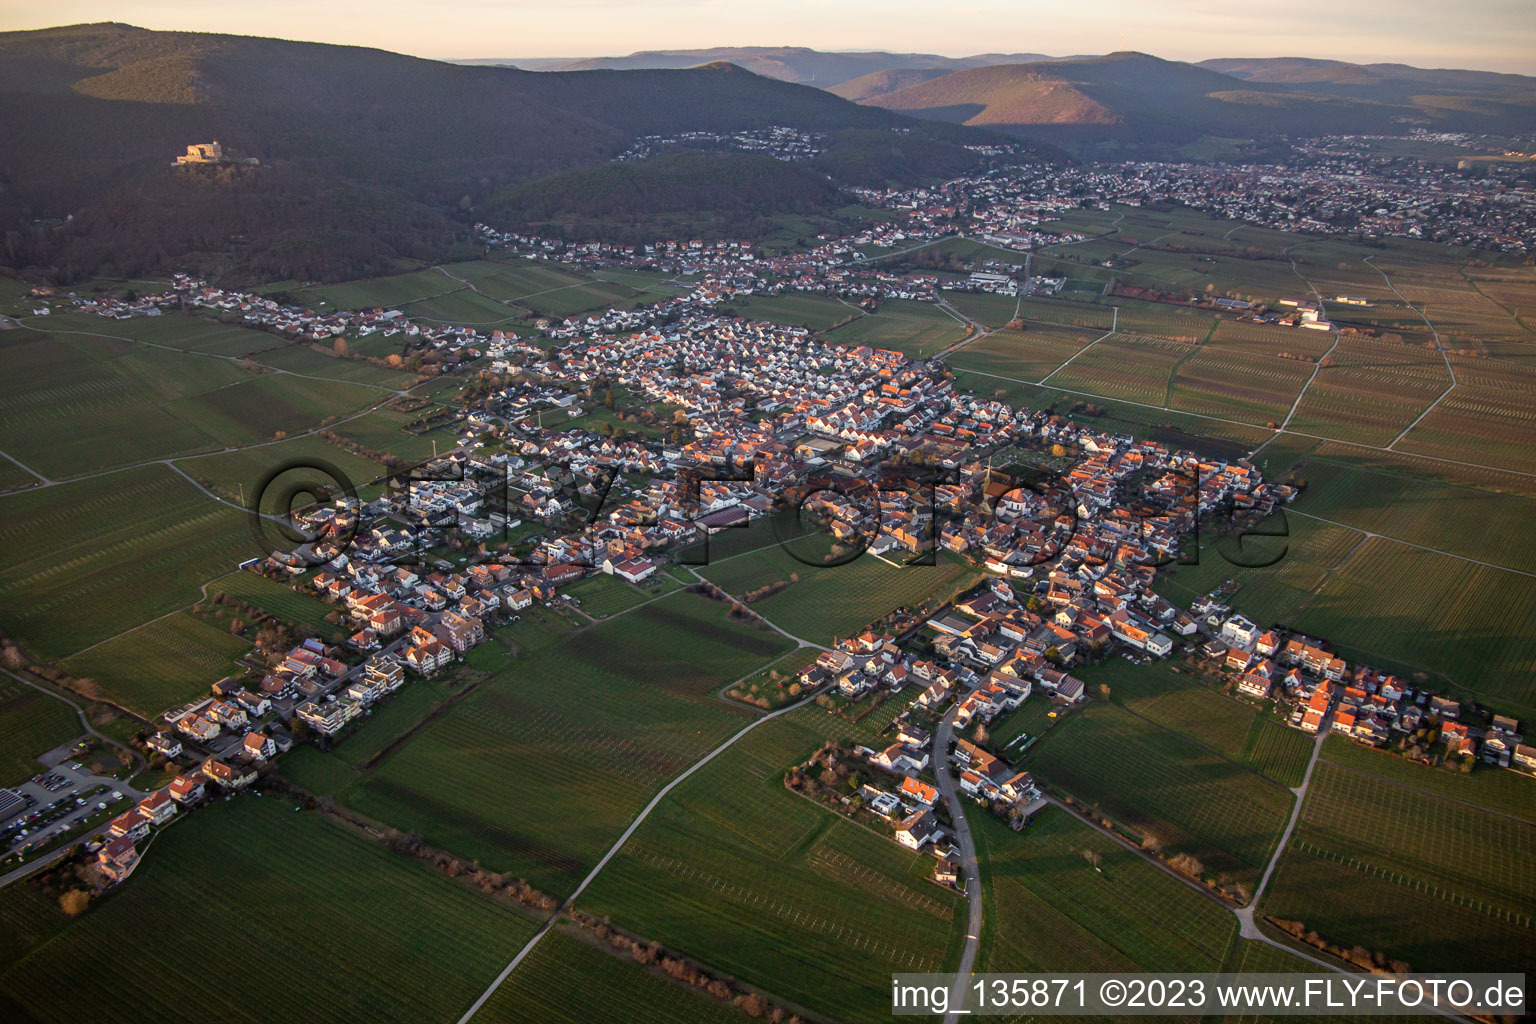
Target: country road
(968,861)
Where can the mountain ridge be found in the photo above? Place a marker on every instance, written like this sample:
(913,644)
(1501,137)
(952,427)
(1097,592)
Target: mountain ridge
(96,113)
(1131,96)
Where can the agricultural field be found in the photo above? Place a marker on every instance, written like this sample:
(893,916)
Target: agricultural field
(465,308)
(1063,896)
(1370,390)
(737,871)
(82,562)
(655,281)
(916,335)
(1423,467)
(302,609)
(1454,304)
(627,705)
(387,292)
(1268,339)
(1493,789)
(1157,783)
(316,361)
(1478,522)
(1031,719)
(1252,388)
(1491,426)
(570,979)
(603,595)
(257,410)
(383,430)
(95,402)
(31,723)
(1269,593)
(381,936)
(1375,863)
(235,475)
(160,664)
(1090,316)
(990,310)
(1029,354)
(73,403)
(189,332)
(14,477)
(1409,609)
(839,600)
(546,290)
(1171,696)
(1161,320)
(1278,751)
(1135,369)
(817,312)
(388,721)
(776,685)
(1401,608)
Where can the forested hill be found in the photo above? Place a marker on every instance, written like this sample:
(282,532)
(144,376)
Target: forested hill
(365,156)
(1135,97)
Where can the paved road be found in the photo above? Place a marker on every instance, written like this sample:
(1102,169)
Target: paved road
(1248,928)
(968,861)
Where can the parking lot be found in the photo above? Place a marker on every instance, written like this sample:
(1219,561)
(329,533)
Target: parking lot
(54,800)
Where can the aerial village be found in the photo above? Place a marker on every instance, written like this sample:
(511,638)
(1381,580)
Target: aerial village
(1069,524)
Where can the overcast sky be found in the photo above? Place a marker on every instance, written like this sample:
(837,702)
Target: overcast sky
(1493,34)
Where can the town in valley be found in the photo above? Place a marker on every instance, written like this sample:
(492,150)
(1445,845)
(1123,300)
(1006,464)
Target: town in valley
(768,537)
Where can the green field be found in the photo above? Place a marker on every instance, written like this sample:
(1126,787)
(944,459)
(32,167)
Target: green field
(300,607)
(1491,788)
(1382,601)
(545,289)
(754,880)
(544,764)
(315,361)
(236,475)
(382,937)
(1269,594)
(1439,884)
(79,398)
(31,723)
(835,600)
(383,430)
(1169,695)
(603,595)
(569,980)
(1027,355)
(389,292)
(1048,908)
(82,562)
(1417,610)
(1157,783)
(818,312)
(916,329)
(162,663)
(1122,366)
(192,333)
(990,310)
(1408,502)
